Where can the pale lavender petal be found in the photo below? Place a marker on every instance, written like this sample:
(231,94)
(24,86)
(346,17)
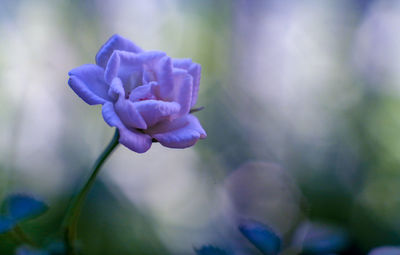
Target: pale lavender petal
(134,140)
(123,64)
(129,67)
(129,114)
(168,125)
(116,42)
(131,138)
(165,79)
(179,133)
(149,75)
(110,116)
(88,83)
(144,92)
(154,111)
(182,63)
(183,84)
(152,57)
(152,62)
(116,89)
(194,70)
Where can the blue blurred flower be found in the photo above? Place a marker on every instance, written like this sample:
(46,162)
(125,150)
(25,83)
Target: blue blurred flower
(54,248)
(315,238)
(6,224)
(20,207)
(210,250)
(27,250)
(385,250)
(261,236)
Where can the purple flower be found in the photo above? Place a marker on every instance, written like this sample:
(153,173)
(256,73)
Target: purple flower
(145,94)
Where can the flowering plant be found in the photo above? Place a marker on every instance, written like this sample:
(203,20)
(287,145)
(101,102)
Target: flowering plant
(145,94)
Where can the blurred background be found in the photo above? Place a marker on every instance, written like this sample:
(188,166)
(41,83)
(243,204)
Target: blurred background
(302,103)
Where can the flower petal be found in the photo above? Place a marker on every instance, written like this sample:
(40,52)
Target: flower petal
(123,64)
(154,111)
(183,84)
(134,140)
(130,138)
(179,133)
(88,83)
(144,92)
(194,70)
(182,63)
(116,42)
(129,67)
(152,57)
(165,78)
(110,116)
(129,114)
(123,113)
(116,89)
(153,64)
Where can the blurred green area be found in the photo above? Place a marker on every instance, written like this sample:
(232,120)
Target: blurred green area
(311,86)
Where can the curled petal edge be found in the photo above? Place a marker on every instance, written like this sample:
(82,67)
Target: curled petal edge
(133,140)
(87,82)
(180,133)
(116,42)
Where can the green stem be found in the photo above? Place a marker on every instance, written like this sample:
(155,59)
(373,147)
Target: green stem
(72,216)
(22,237)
